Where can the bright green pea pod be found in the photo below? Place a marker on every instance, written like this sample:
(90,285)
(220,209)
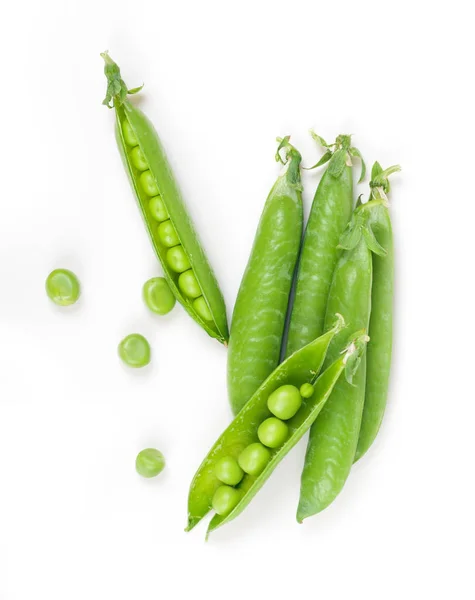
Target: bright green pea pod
(334,435)
(302,367)
(378,359)
(260,311)
(135,130)
(329,215)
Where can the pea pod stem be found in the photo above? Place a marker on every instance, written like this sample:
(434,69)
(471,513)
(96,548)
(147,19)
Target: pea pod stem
(170,225)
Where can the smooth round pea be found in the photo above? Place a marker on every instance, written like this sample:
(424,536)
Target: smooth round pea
(306,390)
(134,350)
(202,309)
(62,287)
(167,234)
(228,470)
(149,462)
(138,159)
(284,402)
(177,259)
(158,209)
(128,133)
(189,285)
(225,499)
(148,183)
(254,459)
(158,296)
(273,432)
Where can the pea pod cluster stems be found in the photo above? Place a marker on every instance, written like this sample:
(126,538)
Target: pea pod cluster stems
(166,218)
(334,435)
(329,215)
(381,322)
(260,311)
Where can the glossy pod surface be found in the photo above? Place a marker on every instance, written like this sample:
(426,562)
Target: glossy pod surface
(166,218)
(300,368)
(260,311)
(381,322)
(329,215)
(334,436)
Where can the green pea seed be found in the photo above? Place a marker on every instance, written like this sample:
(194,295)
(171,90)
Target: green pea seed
(254,459)
(177,259)
(158,296)
(273,432)
(148,183)
(306,390)
(189,285)
(149,462)
(158,209)
(284,402)
(202,309)
(167,234)
(128,133)
(138,159)
(62,287)
(134,350)
(228,470)
(225,499)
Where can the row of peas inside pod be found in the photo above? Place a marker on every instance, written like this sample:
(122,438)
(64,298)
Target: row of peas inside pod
(176,256)
(284,404)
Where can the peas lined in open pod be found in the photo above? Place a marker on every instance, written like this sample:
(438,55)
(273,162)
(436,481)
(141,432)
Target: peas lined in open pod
(273,432)
(158,209)
(188,284)
(254,458)
(167,234)
(228,470)
(225,499)
(178,260)
(202,308)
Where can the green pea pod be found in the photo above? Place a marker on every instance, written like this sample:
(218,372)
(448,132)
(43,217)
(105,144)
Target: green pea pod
(260,311)
(329,215)
(334,435)
(296,370)
(378,359)
(168,223)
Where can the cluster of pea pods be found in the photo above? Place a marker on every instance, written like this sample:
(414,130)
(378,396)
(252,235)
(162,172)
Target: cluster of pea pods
(316,359)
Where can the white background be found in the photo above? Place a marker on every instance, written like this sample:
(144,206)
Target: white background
(222,81)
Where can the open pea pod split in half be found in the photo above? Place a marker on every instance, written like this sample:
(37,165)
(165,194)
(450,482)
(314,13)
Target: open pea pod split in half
(169,225)
(301,367)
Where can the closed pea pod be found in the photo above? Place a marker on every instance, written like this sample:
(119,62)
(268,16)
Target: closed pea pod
(334,435)
(329,215)
(161,204)
(242,432)
(259,314)
(378,359)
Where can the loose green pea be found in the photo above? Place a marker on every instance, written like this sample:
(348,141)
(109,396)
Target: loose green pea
(62,287)
(228,470)
(158,296)
(225,499)
(273,432)
(134,350)
(149,462)
(158,209)
(284,402)
(306,390)
(177,259)
(189,285)
(138,159)
(128,133)
(202,309)
(148,184)
(167,234)
(254,459)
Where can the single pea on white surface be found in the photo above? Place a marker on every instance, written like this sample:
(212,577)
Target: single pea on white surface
(149,463)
